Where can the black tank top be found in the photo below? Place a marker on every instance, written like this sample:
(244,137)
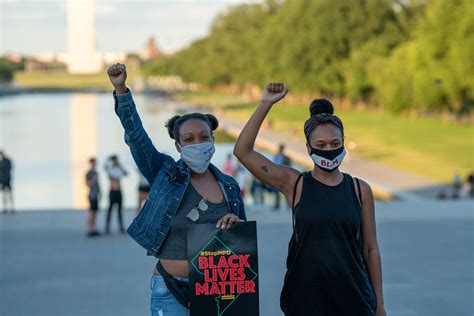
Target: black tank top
(327,274)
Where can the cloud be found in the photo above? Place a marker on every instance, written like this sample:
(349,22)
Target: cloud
(106,9)
(174,23)
(180,12)
(20,11)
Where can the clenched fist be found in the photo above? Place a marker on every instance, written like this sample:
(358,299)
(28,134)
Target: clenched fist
(274,92)
(117,75)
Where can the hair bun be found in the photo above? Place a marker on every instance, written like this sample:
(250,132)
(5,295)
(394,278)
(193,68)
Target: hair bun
(321,106)
(213,120)
(170,125)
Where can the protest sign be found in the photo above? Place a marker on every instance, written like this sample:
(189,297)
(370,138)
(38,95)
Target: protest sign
(223,270)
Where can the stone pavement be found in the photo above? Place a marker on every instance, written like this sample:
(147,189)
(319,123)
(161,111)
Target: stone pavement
(48,267)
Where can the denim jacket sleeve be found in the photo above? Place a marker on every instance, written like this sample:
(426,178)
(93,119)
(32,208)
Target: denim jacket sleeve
(242,214)
(149,161)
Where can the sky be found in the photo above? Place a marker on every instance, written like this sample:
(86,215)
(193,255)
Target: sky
(31,27)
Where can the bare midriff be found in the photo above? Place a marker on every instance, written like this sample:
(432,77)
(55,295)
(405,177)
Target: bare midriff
(177,268)
(114,184)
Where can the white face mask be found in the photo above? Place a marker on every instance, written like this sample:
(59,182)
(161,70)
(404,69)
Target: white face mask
(328,160)
(198,156)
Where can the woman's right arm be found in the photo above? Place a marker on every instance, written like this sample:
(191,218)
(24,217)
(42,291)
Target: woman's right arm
(281,177)
(147,158)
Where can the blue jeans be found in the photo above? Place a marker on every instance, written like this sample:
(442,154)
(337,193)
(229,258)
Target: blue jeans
(163,303)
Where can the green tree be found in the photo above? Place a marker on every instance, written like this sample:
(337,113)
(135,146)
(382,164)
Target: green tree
(7,69)
(404,54)
(312,42)
(432,71)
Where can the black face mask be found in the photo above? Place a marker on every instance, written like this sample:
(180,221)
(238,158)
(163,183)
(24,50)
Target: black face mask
(328,160)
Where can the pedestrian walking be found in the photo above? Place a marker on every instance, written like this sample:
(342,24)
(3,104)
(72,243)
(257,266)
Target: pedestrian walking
(6,171)
(280,159)
(116,172)
(92,181)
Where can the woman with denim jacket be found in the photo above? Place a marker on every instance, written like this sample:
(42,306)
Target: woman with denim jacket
(189,191)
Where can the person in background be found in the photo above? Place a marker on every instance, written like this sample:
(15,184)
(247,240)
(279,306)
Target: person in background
(457,186)
(6,167)
(470,182)
(280,159)
(241,176)
(92,181)
(229,166)
(115,172)
(257,190)
(143,190)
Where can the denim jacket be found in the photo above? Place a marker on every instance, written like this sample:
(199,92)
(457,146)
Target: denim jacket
(168,180)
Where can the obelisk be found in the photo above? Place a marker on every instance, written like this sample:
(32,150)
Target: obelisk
(82,54)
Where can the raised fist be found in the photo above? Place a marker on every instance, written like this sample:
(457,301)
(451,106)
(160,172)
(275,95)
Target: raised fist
(274,92)
(117,75)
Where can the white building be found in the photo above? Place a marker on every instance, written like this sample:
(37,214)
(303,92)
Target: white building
(82,54)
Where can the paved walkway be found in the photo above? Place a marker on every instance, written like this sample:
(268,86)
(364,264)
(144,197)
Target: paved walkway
(49,268)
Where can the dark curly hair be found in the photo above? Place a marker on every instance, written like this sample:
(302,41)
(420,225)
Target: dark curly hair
(321,112)
(174,124)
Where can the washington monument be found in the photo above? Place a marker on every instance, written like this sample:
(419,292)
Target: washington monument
(82,54)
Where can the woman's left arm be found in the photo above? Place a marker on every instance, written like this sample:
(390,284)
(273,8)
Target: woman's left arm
(370,250)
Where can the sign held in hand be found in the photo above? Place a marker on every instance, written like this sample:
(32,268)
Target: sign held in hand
(223,270)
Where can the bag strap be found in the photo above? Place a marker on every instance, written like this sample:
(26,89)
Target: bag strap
(294,190)
(179,289)
(360,192)
(294,198)
(360,204)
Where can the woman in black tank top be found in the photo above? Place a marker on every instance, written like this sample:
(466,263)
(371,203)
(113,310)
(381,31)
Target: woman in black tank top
(333,264)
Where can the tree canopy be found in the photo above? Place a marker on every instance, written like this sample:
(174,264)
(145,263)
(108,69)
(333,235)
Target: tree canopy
(415,54)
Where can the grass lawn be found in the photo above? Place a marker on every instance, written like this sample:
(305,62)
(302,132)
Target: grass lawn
(427,147)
